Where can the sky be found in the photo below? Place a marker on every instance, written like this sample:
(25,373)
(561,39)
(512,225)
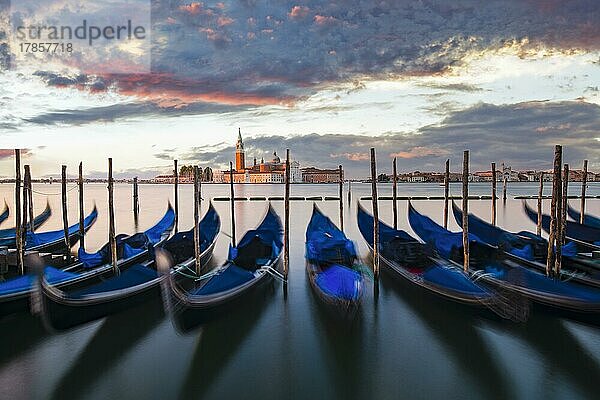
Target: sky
(418,80)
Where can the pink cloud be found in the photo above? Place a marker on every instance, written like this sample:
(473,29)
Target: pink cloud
(195,9)
(323,20)
(352,156)
(224,21)
(420,151)
(9,153)
(298,12)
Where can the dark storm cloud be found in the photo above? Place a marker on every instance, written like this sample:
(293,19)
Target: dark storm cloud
(261,52)
(127,111)
(521,134)
(291,48)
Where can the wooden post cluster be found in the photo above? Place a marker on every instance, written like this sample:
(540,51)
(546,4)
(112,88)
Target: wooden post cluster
(539,205)
(65,217)
(395,193)
(446,192)
(176,175)
(197,249)
(465,210)
(341,193)
(583,188)
(232,198)
(111,219)
(552,236)
(494,193)
(286,216)
(18,230)
(136,201)
(81,210)
(375,218)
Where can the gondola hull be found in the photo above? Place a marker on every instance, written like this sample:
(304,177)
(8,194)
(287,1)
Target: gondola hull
(570,300)
(61,312)
(188,315)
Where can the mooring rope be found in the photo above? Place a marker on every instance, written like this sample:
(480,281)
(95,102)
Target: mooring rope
(54,194)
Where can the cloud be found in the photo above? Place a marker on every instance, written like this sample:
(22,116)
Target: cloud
(258,53)
(298,12)
(420,152)
(10,153)
(123,111)
(501,133)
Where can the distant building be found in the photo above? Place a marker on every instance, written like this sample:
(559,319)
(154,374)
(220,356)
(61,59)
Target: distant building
(266,172)
(316,175)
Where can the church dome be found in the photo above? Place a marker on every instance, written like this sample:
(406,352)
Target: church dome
(276,159)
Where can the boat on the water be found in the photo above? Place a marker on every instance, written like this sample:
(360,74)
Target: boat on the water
(191,300)
(8,236)
(135,284)
(4,214)
(15,291)
(531,250)
(412,262)
(332,265)
(490,266)
(588,219)
(54,241)
(581,234)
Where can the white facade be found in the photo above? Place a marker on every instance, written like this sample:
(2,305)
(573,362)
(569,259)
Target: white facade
(295,173)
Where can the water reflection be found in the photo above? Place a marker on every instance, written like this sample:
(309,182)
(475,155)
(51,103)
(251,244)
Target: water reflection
(220,339)
(110,343)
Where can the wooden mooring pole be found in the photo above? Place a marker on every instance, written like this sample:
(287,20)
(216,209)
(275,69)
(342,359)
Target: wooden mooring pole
(286,221)
(494,193)
(18,229)
(29,197)
(539,205)
(504,185)
(583,188)
(81,210)
(550,259)
(375,219)
(176,175)
(465,210)
(232,201)
(65,217)
(111,219)
(136,202)
(25,223)
(349,191)
(563,220)
(395,193)
(341,193)
(197,249)
(446,192)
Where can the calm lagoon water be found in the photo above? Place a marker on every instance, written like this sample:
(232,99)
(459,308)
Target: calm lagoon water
(273,347)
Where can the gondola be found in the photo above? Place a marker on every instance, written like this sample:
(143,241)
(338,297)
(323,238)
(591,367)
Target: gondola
(135,284)
(588,219)
(331,266)
(491,267)
(406,258)
(54,241)
(575,231)
(531,250)
(15,291)
(191,300)
(5,213)
(7,236)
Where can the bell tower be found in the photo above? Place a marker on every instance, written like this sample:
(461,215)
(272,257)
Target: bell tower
(240,162)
